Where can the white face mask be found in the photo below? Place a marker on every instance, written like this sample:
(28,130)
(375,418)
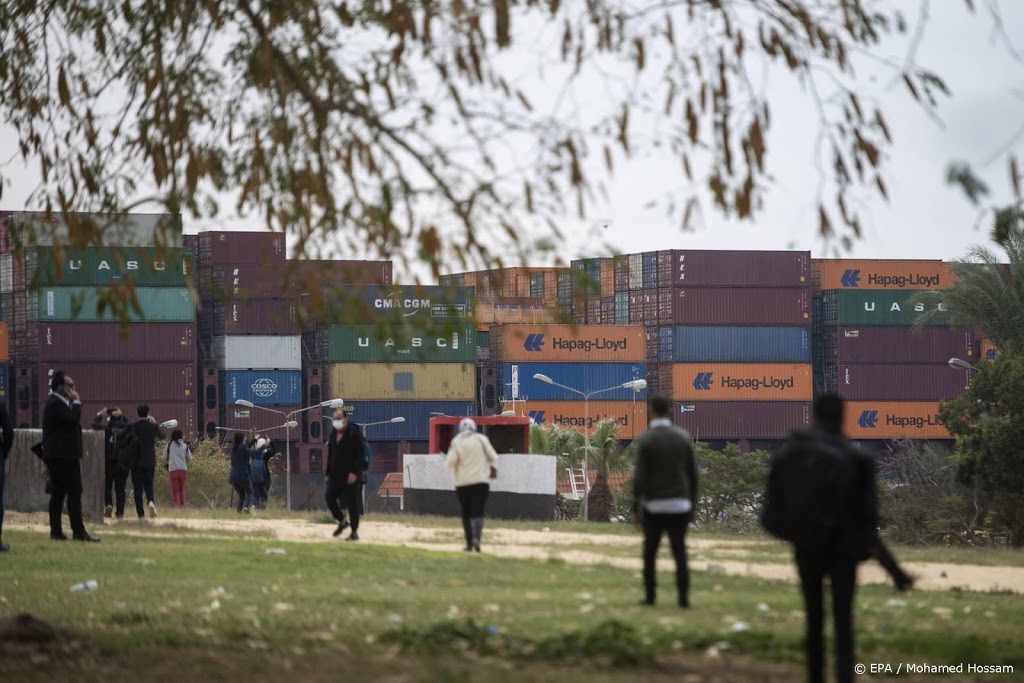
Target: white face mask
(339,424)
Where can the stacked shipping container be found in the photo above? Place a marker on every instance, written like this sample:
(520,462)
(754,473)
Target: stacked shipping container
(892,374)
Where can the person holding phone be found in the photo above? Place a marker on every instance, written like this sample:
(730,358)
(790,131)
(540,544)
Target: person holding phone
(62,452)
(474,461)
(148,432)
(111,421)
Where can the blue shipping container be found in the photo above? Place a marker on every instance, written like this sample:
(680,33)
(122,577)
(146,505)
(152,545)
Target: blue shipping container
(649,260)
(585,377)
(730,344)
(262,387)
(417,416)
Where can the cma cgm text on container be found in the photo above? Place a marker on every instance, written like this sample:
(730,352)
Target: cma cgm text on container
(565,343)
(881,274)
(630,416)
(742,382)
(893,420)
(416,302)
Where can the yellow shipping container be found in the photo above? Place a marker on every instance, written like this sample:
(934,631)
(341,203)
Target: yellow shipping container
(403,381)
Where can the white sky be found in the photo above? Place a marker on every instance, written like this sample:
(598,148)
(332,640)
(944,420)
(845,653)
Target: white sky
(924,218)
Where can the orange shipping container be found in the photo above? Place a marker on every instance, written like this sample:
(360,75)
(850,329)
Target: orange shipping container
(564,343)
(880,274)
(987,350)
(629,415)
(881,420)
(607,272)
(5,344)
(742,382)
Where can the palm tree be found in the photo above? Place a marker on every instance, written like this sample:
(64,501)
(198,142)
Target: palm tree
(606,456)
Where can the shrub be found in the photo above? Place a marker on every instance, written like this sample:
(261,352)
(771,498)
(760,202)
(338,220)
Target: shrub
(207,485)
(731,487)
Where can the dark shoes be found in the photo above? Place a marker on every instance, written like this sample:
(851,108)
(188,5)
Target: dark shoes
(353,537)
(904,582)
(4,547)
(86,538)
(341,527)
(58,537)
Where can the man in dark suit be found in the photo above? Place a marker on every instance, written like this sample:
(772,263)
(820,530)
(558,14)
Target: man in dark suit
(6,442)
(143,472)
(62,451)
(345,469)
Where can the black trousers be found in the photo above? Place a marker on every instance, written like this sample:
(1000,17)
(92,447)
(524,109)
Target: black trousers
(472,502)
(843,571)
(244,491)
(142,481)
(115,479)
(339,492)
(675,526)
(66,477)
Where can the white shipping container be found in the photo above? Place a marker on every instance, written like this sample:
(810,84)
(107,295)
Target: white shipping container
(6,273)
(262,352)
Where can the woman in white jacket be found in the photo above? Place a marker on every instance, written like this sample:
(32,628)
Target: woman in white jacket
(177,455)
(473,460)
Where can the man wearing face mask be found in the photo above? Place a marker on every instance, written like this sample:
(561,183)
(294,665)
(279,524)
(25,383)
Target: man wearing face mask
(345,465)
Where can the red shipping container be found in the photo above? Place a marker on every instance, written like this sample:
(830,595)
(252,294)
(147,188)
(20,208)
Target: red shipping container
(735,420)
(734,306)
(138,342)
(892,344)
(126,382)
(897,382)
(257,316)
(227,247)
(707,268)
(239,418)
(184,413)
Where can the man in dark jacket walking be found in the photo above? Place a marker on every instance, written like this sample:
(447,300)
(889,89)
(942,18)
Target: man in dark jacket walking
(345,469)
(148,432)
(664,494)
(115,478)
(6,442)
(62,452)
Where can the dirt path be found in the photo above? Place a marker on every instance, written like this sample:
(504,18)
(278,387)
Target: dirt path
(528,544)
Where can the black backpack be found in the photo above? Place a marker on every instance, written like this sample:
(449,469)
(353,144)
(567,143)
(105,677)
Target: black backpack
(809,490)
(127,448)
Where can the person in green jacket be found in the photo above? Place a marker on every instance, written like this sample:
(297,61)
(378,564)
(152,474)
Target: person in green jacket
(664,494)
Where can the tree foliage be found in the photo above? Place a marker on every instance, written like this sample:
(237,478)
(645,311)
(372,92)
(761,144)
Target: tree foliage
(732,484)
(385,125)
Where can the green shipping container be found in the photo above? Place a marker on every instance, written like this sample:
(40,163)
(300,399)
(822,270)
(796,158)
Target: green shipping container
(483,339)
(372,344)
(79,304)
(876,307)
(100,266)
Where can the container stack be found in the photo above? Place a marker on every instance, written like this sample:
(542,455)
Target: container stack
(510,295)
(892,374)
(58,324)
(589,358)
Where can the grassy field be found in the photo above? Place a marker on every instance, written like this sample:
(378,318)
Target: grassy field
(176,606)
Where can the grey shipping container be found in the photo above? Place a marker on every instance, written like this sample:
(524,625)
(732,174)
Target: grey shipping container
(226,247)
(132,230)
(708,268)
(735,420)
(860,344)
(733,306)
(895,382)
(126,382)
(113,342)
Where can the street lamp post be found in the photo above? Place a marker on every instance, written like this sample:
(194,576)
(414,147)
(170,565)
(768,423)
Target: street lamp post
(958,364)
(635,385)
(289,424)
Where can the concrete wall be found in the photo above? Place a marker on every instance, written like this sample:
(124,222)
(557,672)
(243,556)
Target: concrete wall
(524,489)
(26,475)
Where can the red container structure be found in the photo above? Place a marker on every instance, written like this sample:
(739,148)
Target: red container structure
(216,248)
(507,434)
(238,418)
(735,420)
(732,306)
(245,281)
(126,383)
(108,342)
(256,316)
(892,344)
(692,268)
(184,413)
(895,382)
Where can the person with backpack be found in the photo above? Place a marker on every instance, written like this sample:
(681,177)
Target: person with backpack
(346,470)
(664,495)
(6,442)
(821,498)
(474,462)
(240,475)
(146,432)
(177,455)
(115,479)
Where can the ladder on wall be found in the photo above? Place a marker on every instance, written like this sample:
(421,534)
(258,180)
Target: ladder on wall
(577,482)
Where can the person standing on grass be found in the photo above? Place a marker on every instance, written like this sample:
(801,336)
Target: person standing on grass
(115,478)
(474,462)
(258,476)
(6,442)
(345,471)
(664,495)
(148,432)
(177,456)
(239,476)
(62,453)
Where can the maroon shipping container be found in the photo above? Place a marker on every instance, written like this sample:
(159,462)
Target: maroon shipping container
(703,268)
(896,382)
(255,316)
(238,418)
(734,306)
(59,343)
(126,382)
(898,344)
(735,420)
(293,278)
(218,248)
(184,413)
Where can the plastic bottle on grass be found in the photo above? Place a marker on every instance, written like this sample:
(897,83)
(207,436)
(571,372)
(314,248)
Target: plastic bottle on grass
(89,585)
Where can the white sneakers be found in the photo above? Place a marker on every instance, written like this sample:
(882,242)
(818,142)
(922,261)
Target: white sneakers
(152,509)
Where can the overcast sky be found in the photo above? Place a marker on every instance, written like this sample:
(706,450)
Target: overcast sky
(924,218)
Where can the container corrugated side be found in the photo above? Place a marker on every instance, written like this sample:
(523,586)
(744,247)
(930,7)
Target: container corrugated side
(229,247)
(6,273)
(734,306)
(65,304)
(417,416)
(256,316)
(101,266)
(183,412)
(262,387)
(736,344)
(268,352)
(489,311)
(876,307)
(137,342)
(584,377)
(735,420)
(413,303)
(5,343)
(713,268)
(403,381)
(565,343)
(896,382)
(126,382)
(631,416)
(399,344)
(131,230)
(893,420)
(742,382)
(881,274)
(868,344)
(266,423)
